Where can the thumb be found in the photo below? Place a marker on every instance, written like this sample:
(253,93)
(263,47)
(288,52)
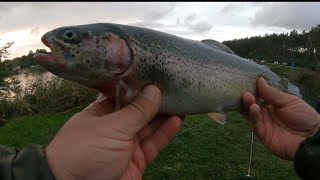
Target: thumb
(272,95)
(133,117)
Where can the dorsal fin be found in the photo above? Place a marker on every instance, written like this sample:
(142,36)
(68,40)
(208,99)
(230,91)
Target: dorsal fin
(217,45)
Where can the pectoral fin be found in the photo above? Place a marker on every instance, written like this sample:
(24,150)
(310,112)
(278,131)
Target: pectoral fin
(218,117)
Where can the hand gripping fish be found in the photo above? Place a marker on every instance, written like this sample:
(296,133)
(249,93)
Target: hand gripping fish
(194,77)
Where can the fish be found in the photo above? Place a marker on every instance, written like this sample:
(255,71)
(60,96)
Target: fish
(195,77)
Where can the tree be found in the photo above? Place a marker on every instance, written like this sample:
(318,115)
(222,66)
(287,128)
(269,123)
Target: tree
(301,48)
(314,40)
(4,53)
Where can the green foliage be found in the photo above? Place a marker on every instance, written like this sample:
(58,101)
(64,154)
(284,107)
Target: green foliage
(44,96)
(25,61)
(4,52)
(301,48)
(307,80)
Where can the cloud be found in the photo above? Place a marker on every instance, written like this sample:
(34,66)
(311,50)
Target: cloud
(35,31)
(195,23)
(201,27)
(48,15)
(231,8)
(293,15)
(159,12)
(239,7)
(192,22)
(9,6)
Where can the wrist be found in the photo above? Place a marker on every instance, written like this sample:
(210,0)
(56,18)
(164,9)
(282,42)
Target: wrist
(307,158)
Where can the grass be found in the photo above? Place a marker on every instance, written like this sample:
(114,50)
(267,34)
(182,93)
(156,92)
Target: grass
(210,151)
(35,129)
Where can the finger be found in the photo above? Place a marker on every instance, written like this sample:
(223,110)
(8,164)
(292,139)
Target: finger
(247,99)
(254,113)
(133,117)
(98,108)
(152,145)
(272,95)
(256,122)
(152,126)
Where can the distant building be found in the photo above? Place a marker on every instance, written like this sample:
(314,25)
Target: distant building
(276,62)
(284,63)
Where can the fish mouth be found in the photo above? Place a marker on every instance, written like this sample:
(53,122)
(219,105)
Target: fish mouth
(45,41)
(45,60)
(49,60)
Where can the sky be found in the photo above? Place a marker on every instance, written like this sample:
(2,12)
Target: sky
(25,22)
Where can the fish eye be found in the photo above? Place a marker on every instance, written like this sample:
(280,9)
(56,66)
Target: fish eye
(69,35)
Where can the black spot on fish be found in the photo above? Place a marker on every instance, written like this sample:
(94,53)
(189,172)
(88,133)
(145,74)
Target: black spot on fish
(78,45)
(88,61)
(77,52)
(72,55)
(69,48)
(91,66)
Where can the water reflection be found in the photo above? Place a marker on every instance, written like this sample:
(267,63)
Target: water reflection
(23,81)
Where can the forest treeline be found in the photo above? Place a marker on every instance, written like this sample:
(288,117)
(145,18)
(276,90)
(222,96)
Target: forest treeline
(302,48)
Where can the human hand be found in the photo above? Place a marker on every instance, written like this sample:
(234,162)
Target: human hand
(282,122)
(98,143)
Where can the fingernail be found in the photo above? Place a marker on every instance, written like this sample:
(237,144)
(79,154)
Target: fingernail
(176,121)
(264,81)
(150,92)
(101,98)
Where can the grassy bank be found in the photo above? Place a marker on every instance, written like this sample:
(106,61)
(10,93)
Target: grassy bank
(210,151)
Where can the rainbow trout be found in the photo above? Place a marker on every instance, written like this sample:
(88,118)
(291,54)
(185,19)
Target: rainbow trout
(119,60)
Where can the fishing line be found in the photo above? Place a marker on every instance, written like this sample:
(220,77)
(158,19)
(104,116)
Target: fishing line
(250,160)
(192,128)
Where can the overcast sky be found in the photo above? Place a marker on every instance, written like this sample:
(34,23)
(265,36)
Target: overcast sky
(26,22)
